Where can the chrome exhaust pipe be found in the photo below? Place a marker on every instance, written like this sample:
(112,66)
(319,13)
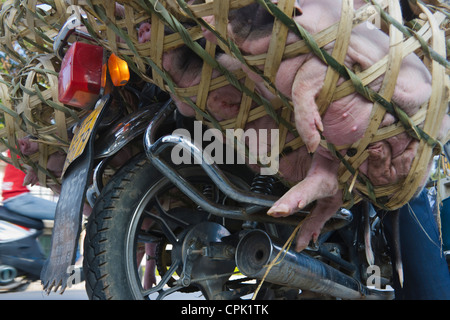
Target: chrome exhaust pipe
(256,251)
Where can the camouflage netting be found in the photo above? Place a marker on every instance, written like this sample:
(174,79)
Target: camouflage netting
(118,33)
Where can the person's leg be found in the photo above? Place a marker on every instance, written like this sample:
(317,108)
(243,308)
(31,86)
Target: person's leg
(31,206)
(426,274)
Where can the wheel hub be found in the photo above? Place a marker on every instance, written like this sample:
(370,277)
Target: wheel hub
(207,260)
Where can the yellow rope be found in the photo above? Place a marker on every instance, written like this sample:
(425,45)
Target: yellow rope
(275,261)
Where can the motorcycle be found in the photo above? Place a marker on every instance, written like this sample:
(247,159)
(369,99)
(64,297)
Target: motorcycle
(21,254)
(195,226)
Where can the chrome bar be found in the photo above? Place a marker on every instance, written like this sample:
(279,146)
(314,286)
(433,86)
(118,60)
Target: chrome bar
(211,169)
(254,204)
(68,29)
(154,148)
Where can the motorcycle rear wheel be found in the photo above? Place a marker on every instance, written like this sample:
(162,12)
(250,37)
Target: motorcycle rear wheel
(114,233)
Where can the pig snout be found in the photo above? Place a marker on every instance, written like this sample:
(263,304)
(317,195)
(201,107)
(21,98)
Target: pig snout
(27,146)
(144,32)
(150,265)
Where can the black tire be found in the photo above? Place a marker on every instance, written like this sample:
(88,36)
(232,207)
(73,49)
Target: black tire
(105,267)
(105,273)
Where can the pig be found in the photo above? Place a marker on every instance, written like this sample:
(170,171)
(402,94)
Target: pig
(55,161)
(184,67)
(368,45)
(55,164)
(345,121)
(27,146)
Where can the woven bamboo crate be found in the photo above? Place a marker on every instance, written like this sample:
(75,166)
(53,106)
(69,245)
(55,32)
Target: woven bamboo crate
(118,34)
(29,95)
(28,27)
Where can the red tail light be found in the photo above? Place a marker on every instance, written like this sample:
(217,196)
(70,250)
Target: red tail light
(80,78)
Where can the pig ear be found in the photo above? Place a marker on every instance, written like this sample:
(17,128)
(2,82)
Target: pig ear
(298,11)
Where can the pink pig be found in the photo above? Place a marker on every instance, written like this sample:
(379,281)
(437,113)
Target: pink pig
(301,78)
(55,161)
(184,67)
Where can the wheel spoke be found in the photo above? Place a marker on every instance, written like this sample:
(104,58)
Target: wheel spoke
(144,216)
(164,226)
(163,213)
(149,237)
(164,280)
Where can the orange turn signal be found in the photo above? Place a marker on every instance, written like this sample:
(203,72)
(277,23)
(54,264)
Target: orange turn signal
(118,69)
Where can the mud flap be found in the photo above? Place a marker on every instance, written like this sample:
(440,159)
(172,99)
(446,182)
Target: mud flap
(68,216)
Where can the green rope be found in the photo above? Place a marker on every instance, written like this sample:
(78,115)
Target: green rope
(348,74)
(158,9)
(427,50)
(237,53)
(367,92)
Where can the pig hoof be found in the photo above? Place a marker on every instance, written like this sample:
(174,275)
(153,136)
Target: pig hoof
(310,133)
(280,210)
(305,239)
(312,146)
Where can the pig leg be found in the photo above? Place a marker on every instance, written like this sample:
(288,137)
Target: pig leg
(31,177)
(320,182)
(208,35)
(314,222)
(379,163)
(149,252)
(307,84)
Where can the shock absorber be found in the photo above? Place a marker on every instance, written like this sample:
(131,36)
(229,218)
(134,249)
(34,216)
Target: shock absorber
(209,192)
(261,184)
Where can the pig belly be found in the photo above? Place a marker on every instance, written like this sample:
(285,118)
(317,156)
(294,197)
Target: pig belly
(346,120)
(293,166)
(224,103)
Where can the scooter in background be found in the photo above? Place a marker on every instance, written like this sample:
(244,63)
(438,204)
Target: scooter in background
(21,255)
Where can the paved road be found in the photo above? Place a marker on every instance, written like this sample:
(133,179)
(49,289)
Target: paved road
(35,292)
(77,292)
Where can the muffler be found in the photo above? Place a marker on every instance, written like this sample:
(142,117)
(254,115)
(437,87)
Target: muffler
(256,251)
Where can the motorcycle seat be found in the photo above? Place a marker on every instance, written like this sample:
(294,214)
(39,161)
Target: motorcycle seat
(19,219)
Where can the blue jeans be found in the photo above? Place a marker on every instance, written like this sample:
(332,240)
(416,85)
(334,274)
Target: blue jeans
(426,274)
(31,206)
